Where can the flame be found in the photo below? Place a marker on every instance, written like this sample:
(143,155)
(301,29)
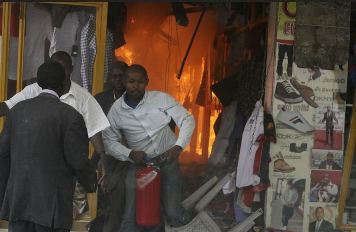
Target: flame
(132,20)
(125,54)
(213,116)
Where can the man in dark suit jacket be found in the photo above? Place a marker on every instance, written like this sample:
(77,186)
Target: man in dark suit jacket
(329,117)
(329,163)
(45,144)
(320,225)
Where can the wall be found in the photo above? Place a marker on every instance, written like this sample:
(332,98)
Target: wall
(308,171)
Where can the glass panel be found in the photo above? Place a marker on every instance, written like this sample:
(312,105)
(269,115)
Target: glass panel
(43,38)
(13,49)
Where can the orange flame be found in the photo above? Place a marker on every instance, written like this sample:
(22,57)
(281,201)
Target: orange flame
(125,54)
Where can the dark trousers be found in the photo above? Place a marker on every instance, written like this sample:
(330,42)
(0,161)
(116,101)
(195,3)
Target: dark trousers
(329,135)
(27,226)
(171,197)
(287,213)
(282,50)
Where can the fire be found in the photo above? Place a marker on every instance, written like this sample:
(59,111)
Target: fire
(213,116)
(125,54)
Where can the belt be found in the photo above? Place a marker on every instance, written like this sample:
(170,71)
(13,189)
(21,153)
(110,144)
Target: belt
(157,160)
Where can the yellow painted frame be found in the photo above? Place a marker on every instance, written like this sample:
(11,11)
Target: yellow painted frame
(98,81)
(6,10)
(349,156)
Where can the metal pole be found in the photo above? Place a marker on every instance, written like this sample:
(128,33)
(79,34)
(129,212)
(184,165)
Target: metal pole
(190,44)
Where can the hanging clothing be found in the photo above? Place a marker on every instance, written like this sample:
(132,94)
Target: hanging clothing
(261,164)
(109,54)
(222,139)
(63,38)
(83,18)
(249,145)
(14,19)
(38,29)
(88,51)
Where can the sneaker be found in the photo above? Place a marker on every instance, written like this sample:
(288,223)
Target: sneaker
(286,93)
(294,120)
(297,149)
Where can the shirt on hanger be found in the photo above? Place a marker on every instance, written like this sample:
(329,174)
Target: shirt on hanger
(88,48)
(38,29)
(64,37)
(249,145)
(88,51)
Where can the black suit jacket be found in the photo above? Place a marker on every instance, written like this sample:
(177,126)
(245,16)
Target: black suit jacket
(324,227)
(44,145)
(334,165)
(329,120)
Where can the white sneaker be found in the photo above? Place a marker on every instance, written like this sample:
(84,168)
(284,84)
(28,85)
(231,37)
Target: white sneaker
(294,120)
(284,228)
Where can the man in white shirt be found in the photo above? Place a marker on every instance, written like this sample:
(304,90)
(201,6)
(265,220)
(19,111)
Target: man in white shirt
(75,96)
(320,225)
(289,198)
(142,118)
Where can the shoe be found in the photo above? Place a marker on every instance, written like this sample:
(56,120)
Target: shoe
(280,165)
(294,148)
(294,120)
(286,93)
(306,92)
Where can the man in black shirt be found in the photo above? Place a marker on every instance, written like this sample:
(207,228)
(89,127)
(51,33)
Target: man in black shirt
(116,88)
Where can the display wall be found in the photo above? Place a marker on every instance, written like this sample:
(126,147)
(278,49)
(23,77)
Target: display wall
(309,112)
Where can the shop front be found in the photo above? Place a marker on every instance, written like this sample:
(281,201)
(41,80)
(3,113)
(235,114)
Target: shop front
(269,85)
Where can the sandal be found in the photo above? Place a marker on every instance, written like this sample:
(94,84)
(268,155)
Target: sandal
(305,91)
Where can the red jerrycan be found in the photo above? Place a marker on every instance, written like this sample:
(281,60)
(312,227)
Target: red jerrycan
(148,186)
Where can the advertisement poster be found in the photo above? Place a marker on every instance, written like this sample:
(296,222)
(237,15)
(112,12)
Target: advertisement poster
(309,113)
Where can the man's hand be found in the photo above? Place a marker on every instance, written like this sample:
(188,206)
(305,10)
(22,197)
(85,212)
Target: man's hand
(102,174)
(173,153)
(137,156)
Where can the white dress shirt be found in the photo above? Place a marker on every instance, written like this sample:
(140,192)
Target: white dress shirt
(77,97)
(146,127)
(317,225)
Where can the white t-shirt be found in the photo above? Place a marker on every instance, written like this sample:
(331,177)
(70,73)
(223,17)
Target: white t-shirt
(38,29)
(249,145)
(77,97)
(64,37)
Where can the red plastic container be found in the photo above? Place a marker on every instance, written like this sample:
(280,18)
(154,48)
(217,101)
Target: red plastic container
(148,186)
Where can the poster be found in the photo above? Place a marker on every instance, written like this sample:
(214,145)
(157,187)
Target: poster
(309,113)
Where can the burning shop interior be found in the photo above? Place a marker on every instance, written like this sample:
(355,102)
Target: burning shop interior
(206,55)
